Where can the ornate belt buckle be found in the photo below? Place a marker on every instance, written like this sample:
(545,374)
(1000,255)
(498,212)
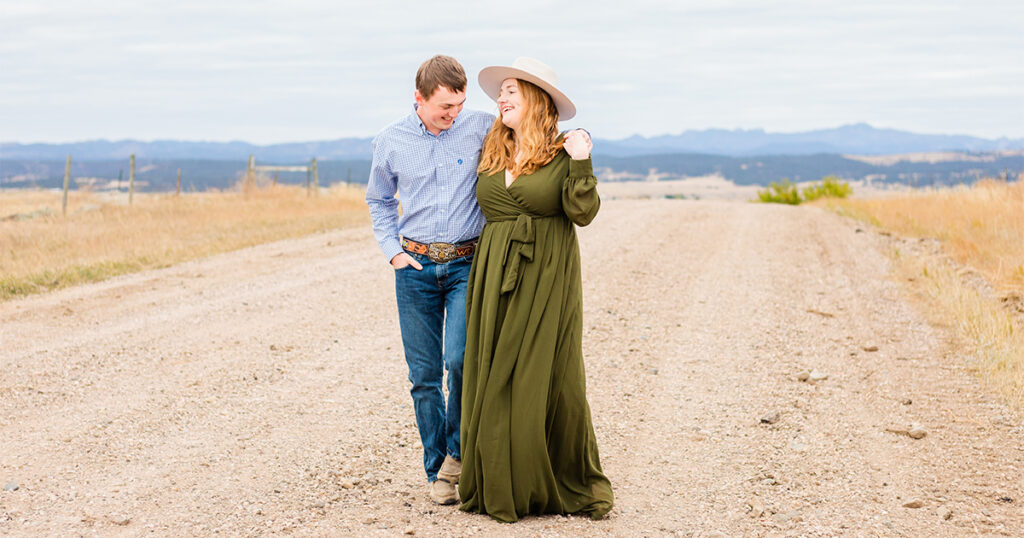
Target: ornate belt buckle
(441,252)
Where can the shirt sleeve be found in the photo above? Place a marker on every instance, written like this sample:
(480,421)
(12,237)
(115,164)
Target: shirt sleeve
(380,197)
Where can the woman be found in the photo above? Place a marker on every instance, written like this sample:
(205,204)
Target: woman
(528,443)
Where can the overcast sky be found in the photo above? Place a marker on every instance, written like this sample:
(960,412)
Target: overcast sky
(272,71)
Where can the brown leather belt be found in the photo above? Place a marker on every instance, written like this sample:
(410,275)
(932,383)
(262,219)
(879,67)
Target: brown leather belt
(440,252)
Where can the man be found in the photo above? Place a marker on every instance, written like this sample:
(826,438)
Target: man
(429,158)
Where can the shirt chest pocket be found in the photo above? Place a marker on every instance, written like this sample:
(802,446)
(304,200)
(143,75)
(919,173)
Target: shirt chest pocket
(466,163)
(439,164)
(448,167)
(411,173)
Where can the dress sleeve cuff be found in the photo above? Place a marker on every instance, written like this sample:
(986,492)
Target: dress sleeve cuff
(581,168)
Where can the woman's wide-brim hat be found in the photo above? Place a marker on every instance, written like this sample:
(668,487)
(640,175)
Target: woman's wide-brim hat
(529,70)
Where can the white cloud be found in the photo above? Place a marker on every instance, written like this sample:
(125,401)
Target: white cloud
(80,70)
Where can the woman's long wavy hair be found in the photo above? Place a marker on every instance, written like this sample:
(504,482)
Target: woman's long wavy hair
(535,139)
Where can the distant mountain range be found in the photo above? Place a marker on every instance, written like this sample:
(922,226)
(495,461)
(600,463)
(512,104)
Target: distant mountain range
(744,157)
(203,174)
(859,139)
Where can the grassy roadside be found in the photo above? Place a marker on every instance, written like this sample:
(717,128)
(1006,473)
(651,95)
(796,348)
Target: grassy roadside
(975,282)
(102,236)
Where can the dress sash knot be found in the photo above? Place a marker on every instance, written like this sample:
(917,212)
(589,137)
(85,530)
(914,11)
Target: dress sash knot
(520,248)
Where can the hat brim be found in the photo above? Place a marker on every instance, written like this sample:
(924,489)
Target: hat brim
(490,80)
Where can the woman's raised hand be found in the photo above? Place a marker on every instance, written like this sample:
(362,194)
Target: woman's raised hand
(577,144)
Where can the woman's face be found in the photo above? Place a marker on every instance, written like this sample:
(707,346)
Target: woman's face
(510,103)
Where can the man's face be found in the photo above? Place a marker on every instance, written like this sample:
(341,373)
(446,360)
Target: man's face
(440,110)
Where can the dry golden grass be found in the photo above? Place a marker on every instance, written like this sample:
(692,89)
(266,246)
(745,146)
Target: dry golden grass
(992,335)
(103,236)
(981,229)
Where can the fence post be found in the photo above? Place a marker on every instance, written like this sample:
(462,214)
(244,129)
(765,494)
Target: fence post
(67,184)
(316,179)
(177,191)
(131,179)
(275,178)
(248,175)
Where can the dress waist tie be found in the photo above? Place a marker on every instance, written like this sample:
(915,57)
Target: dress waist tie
(520,248)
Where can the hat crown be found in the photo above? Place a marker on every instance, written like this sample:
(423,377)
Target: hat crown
(537,68)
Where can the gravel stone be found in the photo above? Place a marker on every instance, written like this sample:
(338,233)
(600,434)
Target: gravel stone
(916,431)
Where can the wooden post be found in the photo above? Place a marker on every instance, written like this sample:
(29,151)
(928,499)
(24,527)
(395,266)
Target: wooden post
(316,179)
(67,184)
(275,177)
(178,190)
(131,179)
(249,174)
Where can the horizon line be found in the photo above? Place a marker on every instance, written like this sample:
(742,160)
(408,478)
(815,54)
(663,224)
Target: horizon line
(635,135)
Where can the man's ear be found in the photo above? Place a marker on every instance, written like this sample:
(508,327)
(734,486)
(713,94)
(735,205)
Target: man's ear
(418,96)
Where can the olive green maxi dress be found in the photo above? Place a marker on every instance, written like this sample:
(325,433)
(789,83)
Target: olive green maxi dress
(528,444)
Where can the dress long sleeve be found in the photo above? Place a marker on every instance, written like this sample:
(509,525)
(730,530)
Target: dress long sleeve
(579,193)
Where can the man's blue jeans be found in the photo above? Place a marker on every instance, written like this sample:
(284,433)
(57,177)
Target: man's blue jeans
(432,316)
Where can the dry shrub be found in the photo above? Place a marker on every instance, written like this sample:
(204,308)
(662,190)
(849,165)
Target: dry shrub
(829,187)
(780,192)
(103,236)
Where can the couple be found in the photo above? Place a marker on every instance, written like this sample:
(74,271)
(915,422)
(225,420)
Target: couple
(498,305)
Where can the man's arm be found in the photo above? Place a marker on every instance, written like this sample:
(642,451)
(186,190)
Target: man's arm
(380,197)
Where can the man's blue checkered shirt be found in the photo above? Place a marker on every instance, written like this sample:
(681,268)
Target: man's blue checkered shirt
(435,177)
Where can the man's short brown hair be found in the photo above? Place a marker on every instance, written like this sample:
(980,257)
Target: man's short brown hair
(440,71)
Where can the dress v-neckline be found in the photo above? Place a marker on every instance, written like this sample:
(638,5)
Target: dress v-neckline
(505,176)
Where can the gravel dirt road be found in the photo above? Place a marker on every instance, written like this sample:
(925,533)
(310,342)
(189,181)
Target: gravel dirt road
(264,392)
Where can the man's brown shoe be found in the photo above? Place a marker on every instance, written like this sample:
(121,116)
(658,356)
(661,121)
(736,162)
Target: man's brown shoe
(442,492)
(450,470)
